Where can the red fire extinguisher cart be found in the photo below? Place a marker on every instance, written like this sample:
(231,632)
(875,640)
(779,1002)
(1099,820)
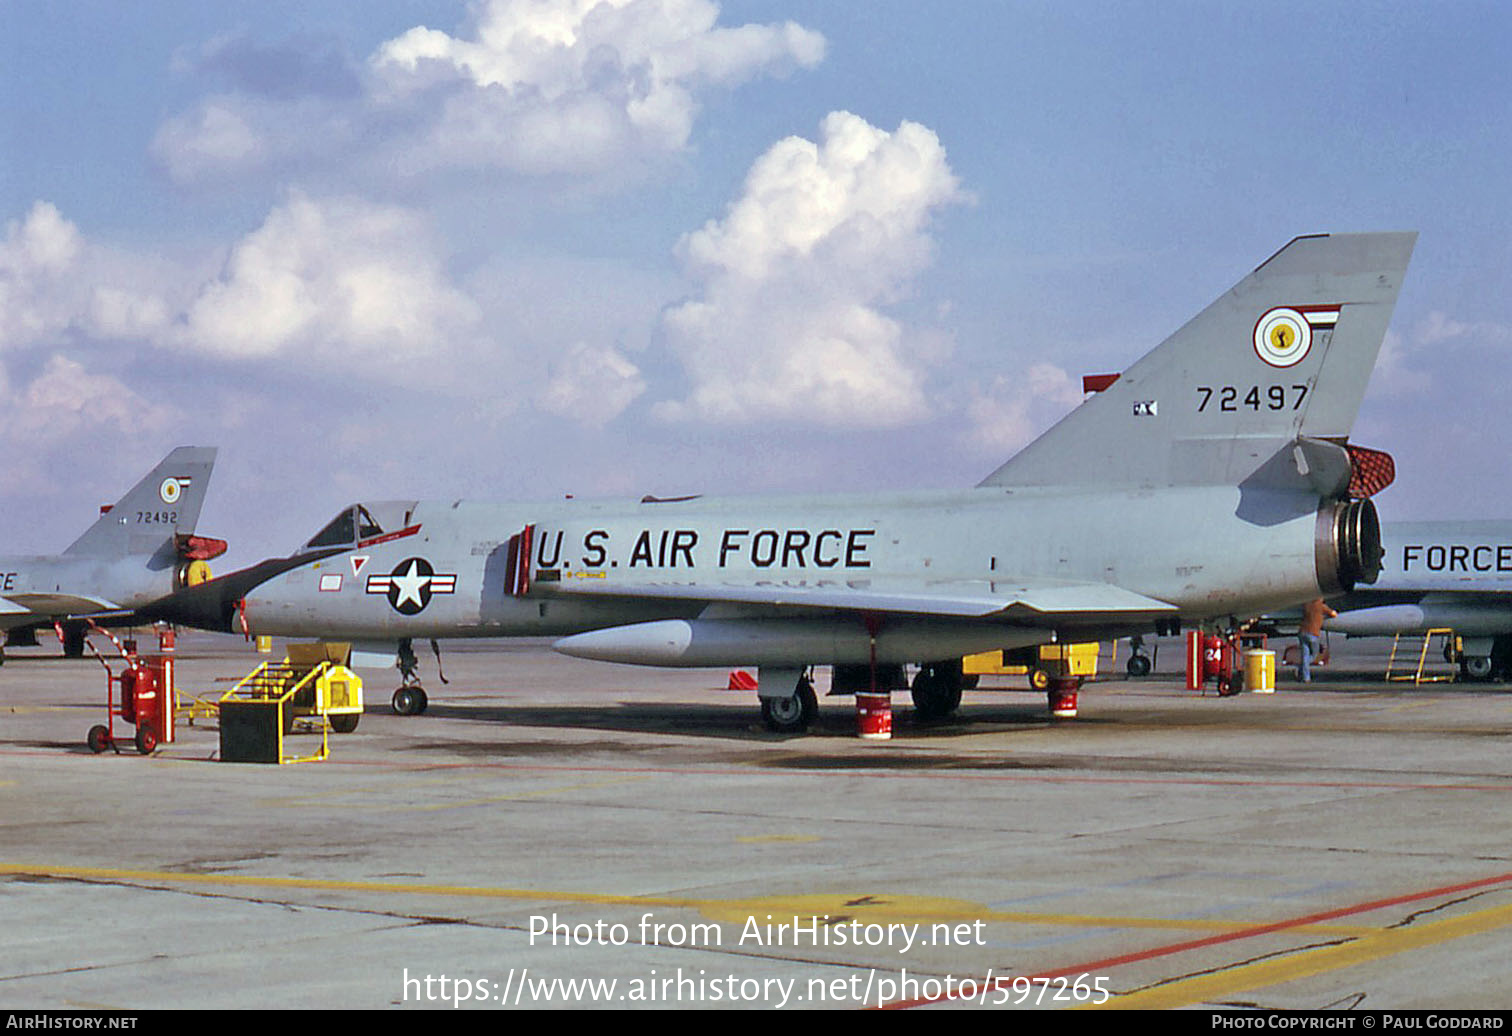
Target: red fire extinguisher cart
(141,695)
(1210,658)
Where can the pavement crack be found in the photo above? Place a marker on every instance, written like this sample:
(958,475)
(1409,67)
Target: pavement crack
(1231,965)
(1428,911)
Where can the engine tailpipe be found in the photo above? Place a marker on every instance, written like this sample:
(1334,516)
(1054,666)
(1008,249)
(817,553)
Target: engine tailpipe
(1348,545)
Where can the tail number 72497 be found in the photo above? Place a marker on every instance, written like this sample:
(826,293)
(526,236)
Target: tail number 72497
(1232,398)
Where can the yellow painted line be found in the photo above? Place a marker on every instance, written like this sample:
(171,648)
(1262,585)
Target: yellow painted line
(1383,942)
(880,908)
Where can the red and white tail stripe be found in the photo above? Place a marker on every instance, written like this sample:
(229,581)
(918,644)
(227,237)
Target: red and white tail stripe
(1320,317)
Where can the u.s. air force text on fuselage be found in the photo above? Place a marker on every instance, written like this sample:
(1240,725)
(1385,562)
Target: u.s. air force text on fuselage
(1456,557)
(684,548)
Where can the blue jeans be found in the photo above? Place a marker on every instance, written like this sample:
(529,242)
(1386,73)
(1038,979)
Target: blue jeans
(1309,646)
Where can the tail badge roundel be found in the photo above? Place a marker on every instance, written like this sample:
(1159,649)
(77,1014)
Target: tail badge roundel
(1282,337)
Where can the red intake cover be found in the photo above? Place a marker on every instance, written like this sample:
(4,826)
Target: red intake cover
(199,548)
(1373,471)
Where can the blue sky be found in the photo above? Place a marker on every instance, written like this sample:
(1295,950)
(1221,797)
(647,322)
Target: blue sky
(422,249)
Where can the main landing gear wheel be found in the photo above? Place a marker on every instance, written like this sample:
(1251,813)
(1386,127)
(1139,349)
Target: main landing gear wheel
(1139,665)
(409,701)
(936,691)
(1477,667)
(791,715)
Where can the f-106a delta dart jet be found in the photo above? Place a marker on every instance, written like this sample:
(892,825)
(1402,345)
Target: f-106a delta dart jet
(1211,479)
(137,551)
(1441,575)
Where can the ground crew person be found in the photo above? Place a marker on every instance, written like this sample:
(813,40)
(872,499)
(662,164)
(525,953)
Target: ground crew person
(1310,636)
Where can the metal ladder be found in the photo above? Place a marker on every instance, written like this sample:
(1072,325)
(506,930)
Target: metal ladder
(1416,675)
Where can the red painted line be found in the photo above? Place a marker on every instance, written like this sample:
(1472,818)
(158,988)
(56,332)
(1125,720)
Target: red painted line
(388,536)
(1090,967)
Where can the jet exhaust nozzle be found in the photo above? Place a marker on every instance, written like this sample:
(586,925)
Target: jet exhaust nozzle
(1349,549)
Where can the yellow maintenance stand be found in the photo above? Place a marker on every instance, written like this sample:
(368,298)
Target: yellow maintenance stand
(1041,664)
(1417,676)
(312,682)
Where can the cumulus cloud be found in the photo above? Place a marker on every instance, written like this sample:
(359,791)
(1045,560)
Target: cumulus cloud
(1394,374)
(529,86)
(1407,360)
(324,286)
(1013,411)
(67,399)
(218,135)
(787,323)
(332,279)
(335,282)
(36,257)
(592,384)
(54,284)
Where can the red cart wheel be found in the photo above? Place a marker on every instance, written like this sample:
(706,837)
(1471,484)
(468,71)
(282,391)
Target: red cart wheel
(146,739)
(99,739)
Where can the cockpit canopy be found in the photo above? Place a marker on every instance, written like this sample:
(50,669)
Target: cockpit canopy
(360,522)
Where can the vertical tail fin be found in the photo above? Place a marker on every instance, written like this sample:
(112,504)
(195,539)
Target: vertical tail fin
(1282,356)
(166,502)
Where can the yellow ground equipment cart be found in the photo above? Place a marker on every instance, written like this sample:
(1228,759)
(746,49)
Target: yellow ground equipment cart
(1041,664)
(313,681)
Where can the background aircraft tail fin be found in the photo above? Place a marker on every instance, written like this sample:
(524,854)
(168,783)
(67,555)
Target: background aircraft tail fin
(1284,355)
(166,502)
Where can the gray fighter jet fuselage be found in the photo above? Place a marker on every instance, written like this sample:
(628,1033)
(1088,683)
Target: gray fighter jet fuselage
(140,549)
(442,569)
(1441,575)
(1213,478)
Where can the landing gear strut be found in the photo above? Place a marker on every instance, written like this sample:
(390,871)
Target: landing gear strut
(410,699)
